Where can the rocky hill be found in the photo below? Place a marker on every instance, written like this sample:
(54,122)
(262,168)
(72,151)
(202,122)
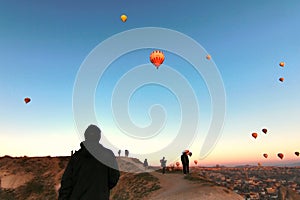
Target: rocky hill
(32,178)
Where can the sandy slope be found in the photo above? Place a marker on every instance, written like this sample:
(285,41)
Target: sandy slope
(44,173)
(174,186)
(12,181)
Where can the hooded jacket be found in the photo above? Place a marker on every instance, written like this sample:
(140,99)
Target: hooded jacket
(86,178)
(184,159)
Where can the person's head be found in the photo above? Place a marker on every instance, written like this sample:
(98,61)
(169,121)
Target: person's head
(190,154)
(186,152)
(92,134)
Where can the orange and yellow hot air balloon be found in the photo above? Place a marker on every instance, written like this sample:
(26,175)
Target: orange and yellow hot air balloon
(196,162)
(123,18)
(157,58)
(281,64)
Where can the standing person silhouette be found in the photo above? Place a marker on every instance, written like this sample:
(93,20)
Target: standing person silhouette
(163,163)
(185,162)
(126,153)
(90,176)
(188,165)
(146,164)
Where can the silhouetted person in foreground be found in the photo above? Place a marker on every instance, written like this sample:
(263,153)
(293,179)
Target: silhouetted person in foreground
(163,164)
(86,177)
(185,162)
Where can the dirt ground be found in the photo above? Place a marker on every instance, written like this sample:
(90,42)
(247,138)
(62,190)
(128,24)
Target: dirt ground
(174,186)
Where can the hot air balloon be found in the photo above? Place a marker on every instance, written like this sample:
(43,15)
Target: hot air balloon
(265,155)
(208,57)
(264,130)
(195,161)
(281,79)
(280,155)
(259,164)
(281,64)
(123,18)
(254,135)
(177,164)
(297,153)
(27,100)
(157,58)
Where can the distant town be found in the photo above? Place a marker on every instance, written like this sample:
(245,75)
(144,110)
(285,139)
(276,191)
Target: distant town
(255,182)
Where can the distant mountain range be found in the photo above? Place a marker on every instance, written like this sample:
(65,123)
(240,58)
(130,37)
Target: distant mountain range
(289,165)
(297,164)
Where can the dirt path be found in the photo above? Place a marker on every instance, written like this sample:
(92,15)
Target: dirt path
(175,187)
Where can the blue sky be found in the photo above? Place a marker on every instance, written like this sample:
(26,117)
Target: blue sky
(43,44)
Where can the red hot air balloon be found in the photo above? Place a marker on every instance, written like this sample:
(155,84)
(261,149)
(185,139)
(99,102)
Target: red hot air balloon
(280,155)
(157,58)
(297,153)
(281,79)
(195,161)
(27,100)
(265,155)
(208,57)
(177,164)
(264,130)
(254,135)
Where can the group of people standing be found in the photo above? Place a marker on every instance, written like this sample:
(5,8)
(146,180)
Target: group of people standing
(93,171)
(126,153)
(184,160)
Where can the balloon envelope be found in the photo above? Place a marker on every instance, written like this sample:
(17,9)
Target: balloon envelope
(195,161)
(254,135)
(281,79)
(177,164)
(280,155)
(297,153)
(264,130)
(157,58)
(265,155)
(281,64)
(208,57)
(123,18)
(27,100)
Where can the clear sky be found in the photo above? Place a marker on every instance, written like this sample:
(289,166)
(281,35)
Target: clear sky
(44,43)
